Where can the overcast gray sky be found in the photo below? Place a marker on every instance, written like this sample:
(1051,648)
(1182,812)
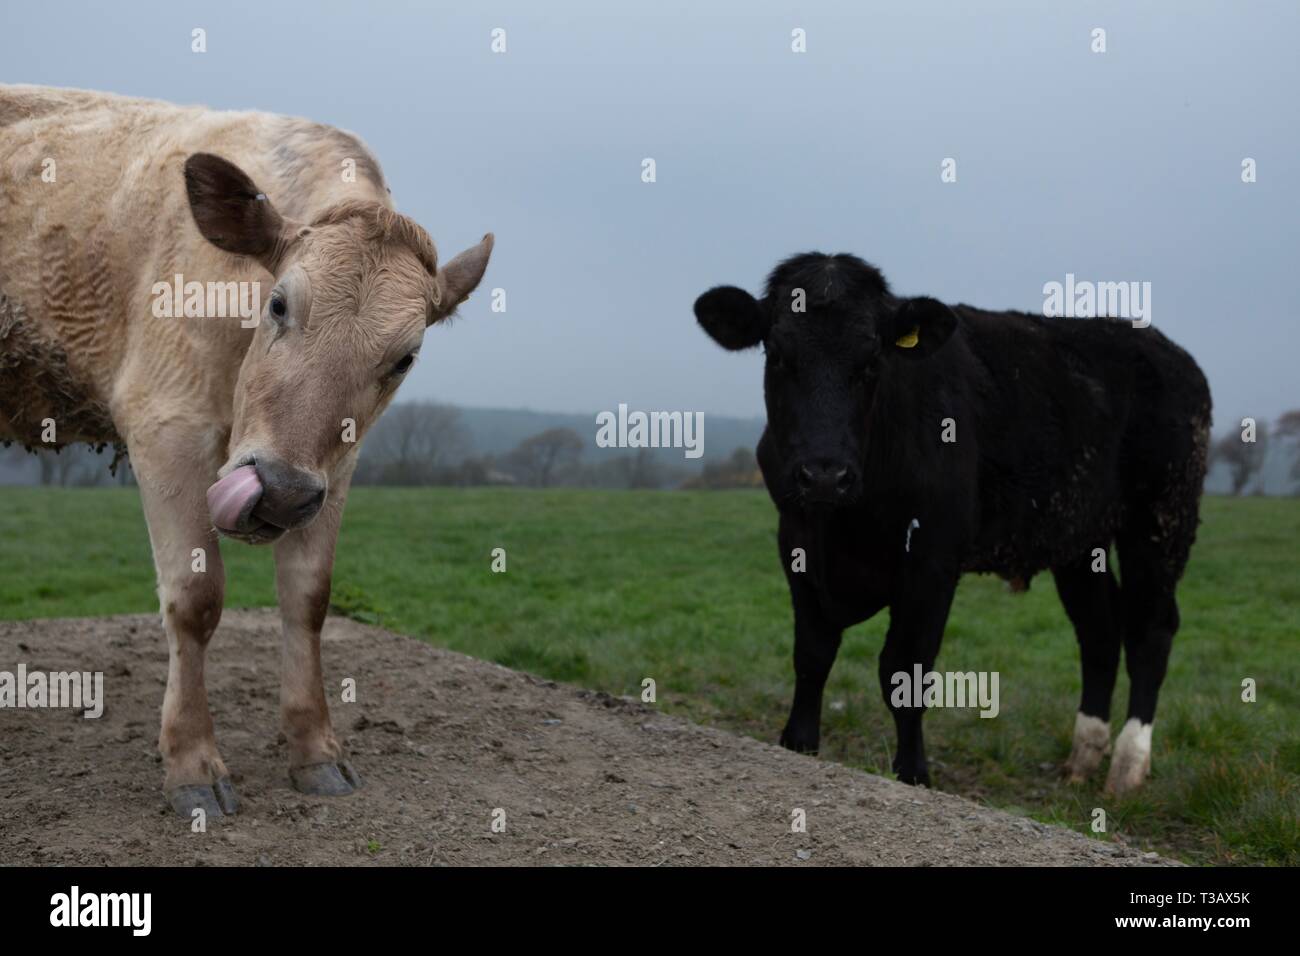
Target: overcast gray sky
(1117,166)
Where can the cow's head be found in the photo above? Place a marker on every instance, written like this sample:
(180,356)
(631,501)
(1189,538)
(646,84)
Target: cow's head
(340,327)
(831,330)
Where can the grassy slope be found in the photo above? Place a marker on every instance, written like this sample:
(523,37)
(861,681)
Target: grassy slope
(607,588)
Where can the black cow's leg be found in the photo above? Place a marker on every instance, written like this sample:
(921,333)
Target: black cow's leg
(916,623)
(816,642)
(1150,571)
(1092,602)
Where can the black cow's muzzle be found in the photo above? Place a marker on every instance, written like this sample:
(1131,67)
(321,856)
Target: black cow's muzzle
(825,481)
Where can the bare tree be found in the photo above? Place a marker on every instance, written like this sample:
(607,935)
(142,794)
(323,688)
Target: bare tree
(412,441)
(543,458)
(1288,425)
(59,466)
(644,471)
(1287,430)
(1244,458)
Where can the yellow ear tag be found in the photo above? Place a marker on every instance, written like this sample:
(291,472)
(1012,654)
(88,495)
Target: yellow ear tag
(909,340)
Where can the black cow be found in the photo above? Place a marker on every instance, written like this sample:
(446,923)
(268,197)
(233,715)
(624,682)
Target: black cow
(908,442)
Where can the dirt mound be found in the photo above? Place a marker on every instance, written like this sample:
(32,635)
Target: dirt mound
(443,741)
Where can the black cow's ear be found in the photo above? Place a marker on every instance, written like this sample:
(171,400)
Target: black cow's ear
(732,317)
(920,326)
(232,213)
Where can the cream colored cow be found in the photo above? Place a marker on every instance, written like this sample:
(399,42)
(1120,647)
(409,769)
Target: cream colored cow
(241,422)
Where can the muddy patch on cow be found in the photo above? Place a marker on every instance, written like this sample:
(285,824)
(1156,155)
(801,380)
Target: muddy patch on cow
(447,744)
(37,384)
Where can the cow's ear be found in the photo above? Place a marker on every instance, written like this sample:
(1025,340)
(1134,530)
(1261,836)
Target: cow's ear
(920,326)
(732,317)
(458,278)
(232,213)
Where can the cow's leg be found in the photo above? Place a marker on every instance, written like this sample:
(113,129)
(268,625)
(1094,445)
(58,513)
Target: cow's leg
(916,621)
(1092,602)
(816,642)
(1150,569)
(191,586)
(304,564)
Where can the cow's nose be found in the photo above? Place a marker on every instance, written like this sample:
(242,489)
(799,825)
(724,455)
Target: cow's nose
(291,497)
(825,480)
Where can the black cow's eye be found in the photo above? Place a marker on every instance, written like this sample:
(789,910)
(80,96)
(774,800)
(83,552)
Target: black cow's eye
(278,307)
(401,367)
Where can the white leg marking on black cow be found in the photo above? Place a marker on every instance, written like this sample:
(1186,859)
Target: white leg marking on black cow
(1132,760)
(1091,744)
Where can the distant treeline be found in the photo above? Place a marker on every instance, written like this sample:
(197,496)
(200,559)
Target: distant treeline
(428,443)
(1252,458)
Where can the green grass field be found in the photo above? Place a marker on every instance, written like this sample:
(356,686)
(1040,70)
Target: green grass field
(604,589)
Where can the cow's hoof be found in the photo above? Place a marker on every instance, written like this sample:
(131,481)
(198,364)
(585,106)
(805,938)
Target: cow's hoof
(799,742)
(913,776)
(1132,761)
(215,800)
(1091,744)
(325,779)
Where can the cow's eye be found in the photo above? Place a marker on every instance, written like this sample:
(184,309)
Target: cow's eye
(279,308)
(404,364)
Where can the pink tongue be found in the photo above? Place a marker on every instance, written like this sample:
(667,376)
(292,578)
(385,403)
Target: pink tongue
(232,498)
